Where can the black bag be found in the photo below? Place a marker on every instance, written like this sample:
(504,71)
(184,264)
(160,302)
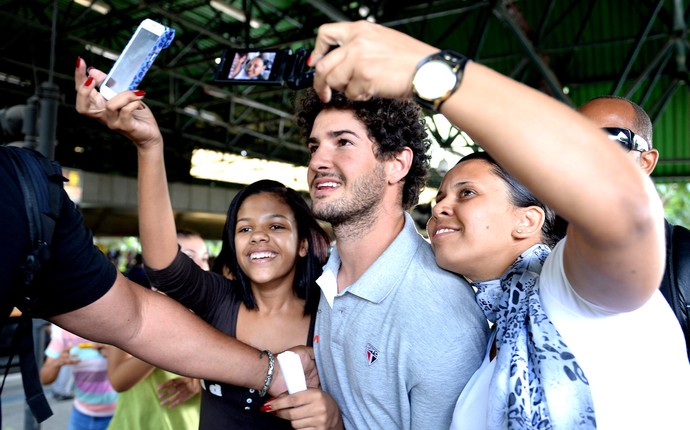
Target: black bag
(675,285)
(41,184)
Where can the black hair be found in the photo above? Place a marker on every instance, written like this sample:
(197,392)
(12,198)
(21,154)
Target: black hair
(391,124)
(553,228)
(183,233)
(308,268)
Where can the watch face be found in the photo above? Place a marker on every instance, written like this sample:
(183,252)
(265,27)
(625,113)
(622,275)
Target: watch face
(434,79)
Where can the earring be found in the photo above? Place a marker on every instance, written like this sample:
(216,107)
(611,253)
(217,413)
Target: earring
(519,231)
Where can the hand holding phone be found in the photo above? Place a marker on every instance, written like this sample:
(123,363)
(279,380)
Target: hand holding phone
(137,57)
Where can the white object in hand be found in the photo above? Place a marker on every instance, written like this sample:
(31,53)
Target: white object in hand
(291,368)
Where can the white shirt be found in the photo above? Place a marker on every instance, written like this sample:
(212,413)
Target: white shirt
(635,362)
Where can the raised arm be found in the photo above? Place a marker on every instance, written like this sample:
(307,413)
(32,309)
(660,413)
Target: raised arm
(614,252)
(124,370)
(127,114)
(613,211)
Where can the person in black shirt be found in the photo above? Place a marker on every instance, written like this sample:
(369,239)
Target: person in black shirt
(628,124)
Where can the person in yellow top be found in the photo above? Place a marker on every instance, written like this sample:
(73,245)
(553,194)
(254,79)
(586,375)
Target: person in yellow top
(151,397)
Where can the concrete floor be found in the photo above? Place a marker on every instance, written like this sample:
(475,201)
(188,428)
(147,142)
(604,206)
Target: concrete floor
(13,408)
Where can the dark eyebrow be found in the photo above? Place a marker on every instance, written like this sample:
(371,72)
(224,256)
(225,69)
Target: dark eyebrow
(271,216)
(459,184)
(454,186)
(332,134)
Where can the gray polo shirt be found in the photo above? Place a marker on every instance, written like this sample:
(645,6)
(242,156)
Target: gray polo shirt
(396,348)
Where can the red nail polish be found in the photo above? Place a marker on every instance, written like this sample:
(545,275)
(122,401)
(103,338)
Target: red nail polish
(265,408)
(139,93)
(78,62)
(309,61)
(88,82)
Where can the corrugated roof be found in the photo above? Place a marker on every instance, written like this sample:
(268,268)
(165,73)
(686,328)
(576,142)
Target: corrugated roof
(589,47)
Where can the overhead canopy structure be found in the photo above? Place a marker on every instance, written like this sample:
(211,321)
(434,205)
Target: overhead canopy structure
(570,49)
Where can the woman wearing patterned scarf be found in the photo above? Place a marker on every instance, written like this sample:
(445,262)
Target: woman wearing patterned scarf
(559,357)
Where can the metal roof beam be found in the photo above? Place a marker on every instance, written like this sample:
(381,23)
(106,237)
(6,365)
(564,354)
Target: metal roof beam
(663,101)
(680,28)
(178,18)
(549,76)
(577,40)
(661,57)
(655,80)
(441,14)
(479,34)
(636,50)
(329,10)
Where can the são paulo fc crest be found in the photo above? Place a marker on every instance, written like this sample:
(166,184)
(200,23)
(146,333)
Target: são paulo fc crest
(372,354)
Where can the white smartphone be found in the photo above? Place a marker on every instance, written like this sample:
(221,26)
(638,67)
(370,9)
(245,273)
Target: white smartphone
(137,57)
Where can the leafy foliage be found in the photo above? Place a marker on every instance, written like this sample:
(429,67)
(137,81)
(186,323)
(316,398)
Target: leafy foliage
(676,199)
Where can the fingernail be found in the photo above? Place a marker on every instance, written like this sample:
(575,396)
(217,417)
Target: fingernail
(139,93)
(309,61)
(88,69)
(78,62)
(265,407)
(88,82)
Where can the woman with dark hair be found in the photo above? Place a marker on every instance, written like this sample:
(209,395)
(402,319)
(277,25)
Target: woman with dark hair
(273,248)
(262,290)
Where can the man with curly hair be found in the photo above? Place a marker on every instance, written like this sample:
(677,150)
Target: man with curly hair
(396,337)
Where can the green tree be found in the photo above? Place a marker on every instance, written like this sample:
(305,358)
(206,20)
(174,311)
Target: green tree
(676,199)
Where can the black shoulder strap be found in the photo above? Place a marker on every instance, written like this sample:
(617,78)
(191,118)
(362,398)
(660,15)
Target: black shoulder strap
(675,285)
(42,202)
(678,266)
(41,183)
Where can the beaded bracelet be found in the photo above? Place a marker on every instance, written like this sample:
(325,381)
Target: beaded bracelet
(269,374)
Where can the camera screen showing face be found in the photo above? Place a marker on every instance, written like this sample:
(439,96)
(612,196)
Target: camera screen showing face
(252,67)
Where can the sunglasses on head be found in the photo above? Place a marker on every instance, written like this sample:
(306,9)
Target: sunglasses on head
(630,140)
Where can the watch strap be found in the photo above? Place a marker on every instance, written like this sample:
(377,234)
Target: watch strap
(457,63)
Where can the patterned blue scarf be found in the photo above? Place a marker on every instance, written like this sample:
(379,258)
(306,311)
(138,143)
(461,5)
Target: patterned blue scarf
(537,383)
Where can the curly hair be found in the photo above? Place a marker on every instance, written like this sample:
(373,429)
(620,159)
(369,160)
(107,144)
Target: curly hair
(391,124)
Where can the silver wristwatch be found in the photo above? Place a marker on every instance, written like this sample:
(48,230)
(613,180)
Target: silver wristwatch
(437,77)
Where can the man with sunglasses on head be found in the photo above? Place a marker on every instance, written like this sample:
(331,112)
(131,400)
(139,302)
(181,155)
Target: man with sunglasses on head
(629,125)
